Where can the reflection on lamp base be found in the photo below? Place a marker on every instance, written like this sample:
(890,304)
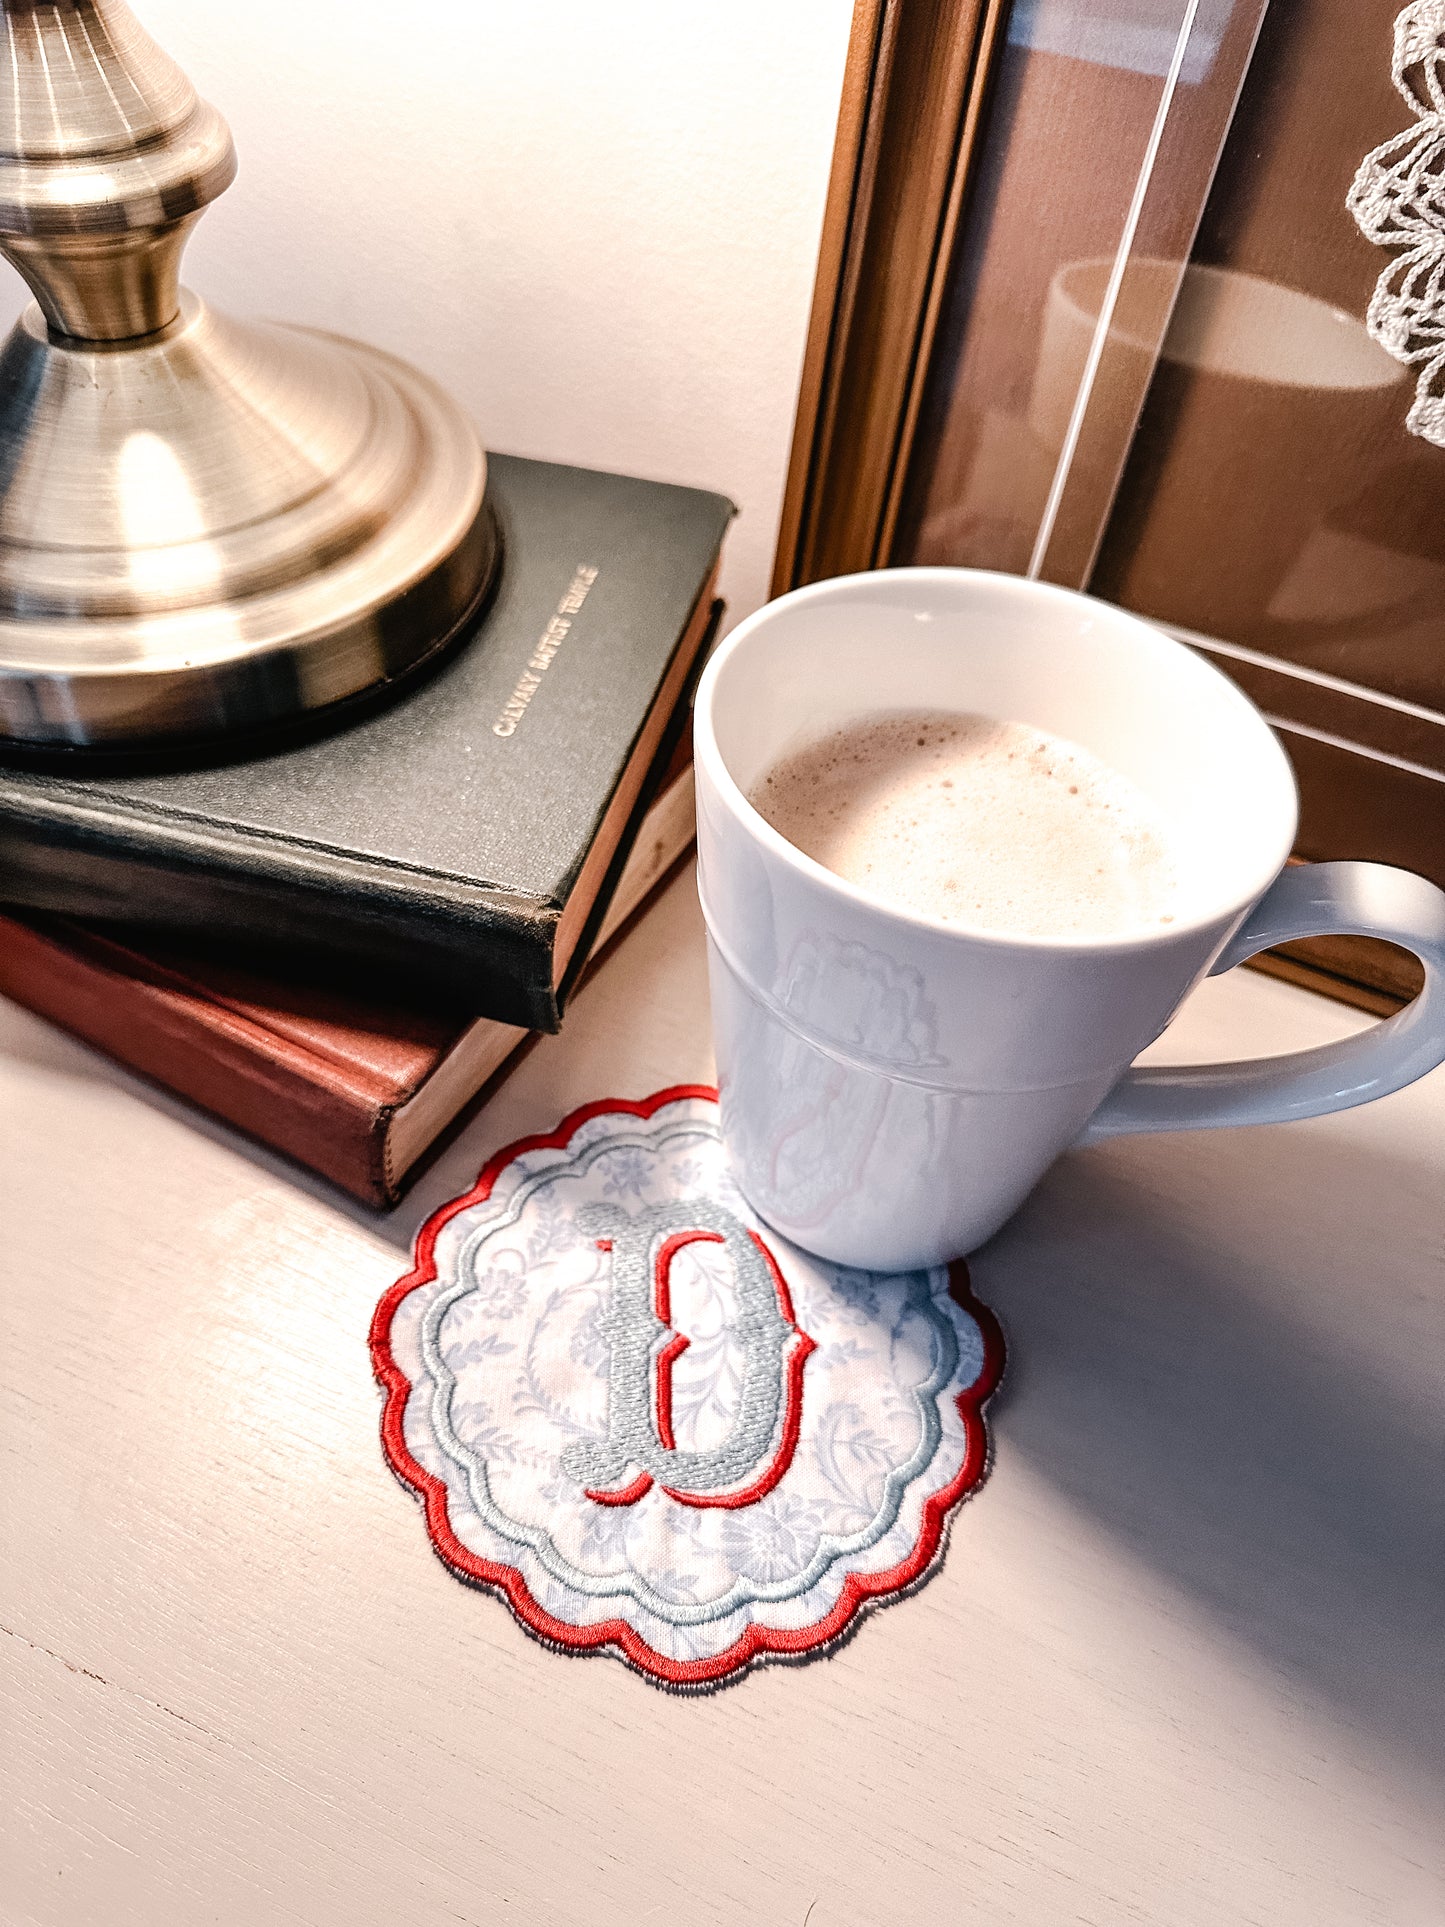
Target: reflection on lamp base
(221,528)
(205,525)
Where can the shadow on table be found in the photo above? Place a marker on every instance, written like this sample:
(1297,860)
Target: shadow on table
(1162,1384)
(1158,1379)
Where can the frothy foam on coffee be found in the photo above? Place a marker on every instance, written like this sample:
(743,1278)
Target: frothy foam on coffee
(992,825)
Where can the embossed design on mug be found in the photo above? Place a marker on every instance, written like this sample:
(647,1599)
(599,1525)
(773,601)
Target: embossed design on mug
(816,1116)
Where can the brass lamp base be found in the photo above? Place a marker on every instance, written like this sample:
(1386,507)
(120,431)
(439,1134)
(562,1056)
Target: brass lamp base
(205,525)
(222,527)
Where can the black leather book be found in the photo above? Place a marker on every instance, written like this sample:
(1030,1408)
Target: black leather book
(466,837)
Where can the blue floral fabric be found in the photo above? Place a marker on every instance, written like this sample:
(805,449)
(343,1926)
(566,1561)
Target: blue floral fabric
(505,1356)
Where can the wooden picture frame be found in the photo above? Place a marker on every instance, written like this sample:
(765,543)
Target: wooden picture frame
(914,91)
(912,153)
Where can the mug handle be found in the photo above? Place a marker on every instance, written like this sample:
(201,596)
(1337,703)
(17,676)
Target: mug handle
(1306,900)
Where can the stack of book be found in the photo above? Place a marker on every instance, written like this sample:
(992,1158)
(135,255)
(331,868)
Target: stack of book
(336,943)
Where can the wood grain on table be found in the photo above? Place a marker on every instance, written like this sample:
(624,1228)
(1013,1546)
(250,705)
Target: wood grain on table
(1182,1663)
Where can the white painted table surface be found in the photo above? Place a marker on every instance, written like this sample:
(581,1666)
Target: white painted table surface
(1183,1662)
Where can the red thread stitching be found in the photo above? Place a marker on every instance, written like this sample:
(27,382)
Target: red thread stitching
(757,1641)
(666,1359)
(787,1443)
(662,1305)
(662,1267)
(797,1358)
(642,1484)
(625,1495)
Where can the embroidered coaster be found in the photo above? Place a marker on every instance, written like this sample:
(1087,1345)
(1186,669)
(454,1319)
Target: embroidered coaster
(655,1427)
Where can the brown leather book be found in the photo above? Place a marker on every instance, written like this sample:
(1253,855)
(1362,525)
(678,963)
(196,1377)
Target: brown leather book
(356,1090)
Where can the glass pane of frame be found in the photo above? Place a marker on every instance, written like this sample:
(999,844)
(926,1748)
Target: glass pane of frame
(1105,126)
(1276,503)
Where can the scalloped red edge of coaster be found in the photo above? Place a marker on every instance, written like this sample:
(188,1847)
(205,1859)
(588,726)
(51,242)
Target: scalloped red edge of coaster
(446,1496)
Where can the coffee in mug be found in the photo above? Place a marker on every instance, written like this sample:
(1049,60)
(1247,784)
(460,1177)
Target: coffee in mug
(985,824)
(894,1080)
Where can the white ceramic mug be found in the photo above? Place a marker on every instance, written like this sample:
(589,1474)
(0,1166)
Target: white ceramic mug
(893,1086)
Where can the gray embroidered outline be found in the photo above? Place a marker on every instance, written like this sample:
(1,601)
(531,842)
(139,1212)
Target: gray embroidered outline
(633,1330)
(939,1313)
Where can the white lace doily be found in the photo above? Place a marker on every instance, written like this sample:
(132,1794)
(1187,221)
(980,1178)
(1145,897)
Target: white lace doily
(1398,198)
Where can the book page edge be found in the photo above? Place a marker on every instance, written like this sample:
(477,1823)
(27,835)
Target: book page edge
(483,1048)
